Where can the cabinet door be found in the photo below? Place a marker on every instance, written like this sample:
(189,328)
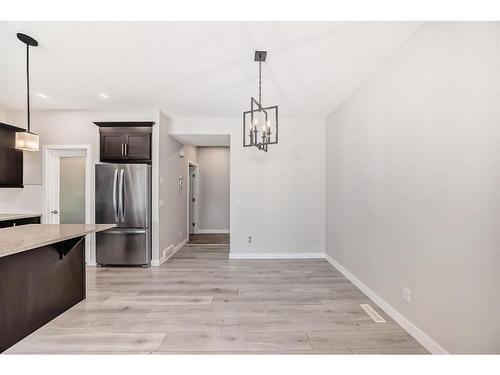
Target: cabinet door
(112,146)
(139,146)
(11,160)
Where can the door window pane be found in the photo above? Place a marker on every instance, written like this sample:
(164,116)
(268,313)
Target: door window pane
(72,190)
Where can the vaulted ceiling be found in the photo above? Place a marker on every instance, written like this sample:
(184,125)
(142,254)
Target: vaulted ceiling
(194,69)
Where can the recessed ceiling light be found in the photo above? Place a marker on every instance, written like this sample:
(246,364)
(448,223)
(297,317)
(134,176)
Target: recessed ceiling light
(104,96)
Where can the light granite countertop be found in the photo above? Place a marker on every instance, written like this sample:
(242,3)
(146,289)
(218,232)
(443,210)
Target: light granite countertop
(21,238)
(24,215)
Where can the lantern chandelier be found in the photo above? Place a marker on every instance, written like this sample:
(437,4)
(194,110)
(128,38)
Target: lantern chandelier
(260,124)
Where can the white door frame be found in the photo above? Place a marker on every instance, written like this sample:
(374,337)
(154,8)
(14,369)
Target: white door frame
(50,162)
(197,198)
(51,155)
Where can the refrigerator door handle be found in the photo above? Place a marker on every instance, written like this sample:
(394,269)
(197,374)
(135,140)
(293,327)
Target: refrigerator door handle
(125,231)
(121,206)
(115,208)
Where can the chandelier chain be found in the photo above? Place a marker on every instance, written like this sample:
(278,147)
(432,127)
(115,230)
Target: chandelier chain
(260,83)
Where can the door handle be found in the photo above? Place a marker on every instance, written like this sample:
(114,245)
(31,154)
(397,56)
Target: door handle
(124,231)
(123,149)
(121,206)
(126,149)
(55,212)
(115,208)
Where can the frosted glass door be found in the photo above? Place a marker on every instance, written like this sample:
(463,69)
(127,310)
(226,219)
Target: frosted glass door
(72,190)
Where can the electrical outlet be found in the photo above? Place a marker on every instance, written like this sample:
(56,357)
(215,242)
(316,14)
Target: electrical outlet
(249,240)
(406,294)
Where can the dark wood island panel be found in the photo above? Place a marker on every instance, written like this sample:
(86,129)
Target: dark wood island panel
(42,274)
(38,285)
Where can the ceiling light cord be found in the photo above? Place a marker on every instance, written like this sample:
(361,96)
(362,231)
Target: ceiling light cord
(28,83)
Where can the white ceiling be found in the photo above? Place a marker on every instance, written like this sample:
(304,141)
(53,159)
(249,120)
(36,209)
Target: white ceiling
(194,69)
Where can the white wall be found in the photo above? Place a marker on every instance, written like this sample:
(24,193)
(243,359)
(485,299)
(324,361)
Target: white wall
(60,128)
(277,197)
(28,199)
(173,209)
(214,190)
(413,173)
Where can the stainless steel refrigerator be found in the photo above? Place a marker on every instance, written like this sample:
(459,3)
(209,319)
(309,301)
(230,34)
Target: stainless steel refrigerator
(123,197)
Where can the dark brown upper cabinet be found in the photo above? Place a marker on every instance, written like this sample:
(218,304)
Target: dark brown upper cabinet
(125,142)
(11,159)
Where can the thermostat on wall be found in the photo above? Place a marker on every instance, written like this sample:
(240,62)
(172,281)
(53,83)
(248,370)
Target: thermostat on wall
(182,153)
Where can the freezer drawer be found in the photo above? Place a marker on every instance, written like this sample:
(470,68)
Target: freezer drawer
(123,247)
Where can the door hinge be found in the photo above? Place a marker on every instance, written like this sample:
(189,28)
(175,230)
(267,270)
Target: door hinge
(193,199)
(193,224)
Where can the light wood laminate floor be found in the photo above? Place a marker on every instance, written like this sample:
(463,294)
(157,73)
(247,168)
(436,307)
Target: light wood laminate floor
(209,239)
(199,301)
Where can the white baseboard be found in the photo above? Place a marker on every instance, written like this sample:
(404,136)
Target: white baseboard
(179,246)
(233,255)
(407,325)
(212,231)
(91,264)
(168,253)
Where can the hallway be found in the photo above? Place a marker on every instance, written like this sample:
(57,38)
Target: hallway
(209,239)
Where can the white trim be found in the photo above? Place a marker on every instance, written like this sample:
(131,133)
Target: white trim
(179,246)
(406,324)
(212,231)
(156,262)
(236,255)
(155,189)
(168,253)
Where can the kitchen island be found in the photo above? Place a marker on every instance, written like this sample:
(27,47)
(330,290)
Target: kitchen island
(42,274)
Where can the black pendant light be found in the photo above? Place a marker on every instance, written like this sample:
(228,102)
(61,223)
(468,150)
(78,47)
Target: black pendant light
(260,124)
(27,140)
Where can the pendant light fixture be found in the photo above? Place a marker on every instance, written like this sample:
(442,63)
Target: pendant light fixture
(260,124)
(27,140)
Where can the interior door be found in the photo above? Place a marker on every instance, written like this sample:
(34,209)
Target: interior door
(72,190)
(65,175)
(192,198)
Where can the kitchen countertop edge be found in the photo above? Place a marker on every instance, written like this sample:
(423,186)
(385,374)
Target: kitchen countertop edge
(18,216)
(6,250)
